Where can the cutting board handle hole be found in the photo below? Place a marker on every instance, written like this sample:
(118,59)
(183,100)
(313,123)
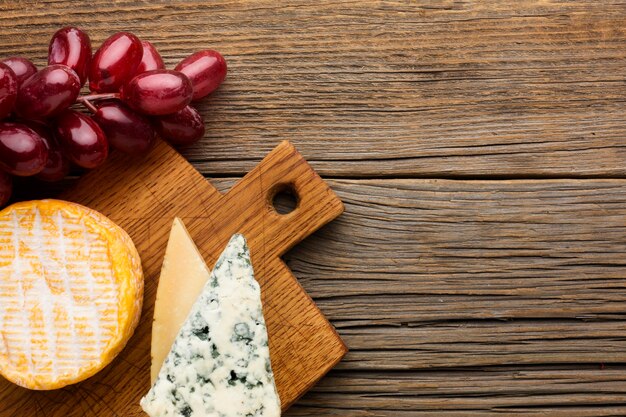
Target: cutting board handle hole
(284,198)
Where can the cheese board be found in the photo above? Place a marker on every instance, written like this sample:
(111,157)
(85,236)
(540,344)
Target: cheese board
(143,197)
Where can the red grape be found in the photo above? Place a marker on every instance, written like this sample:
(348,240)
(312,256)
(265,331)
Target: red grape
(115,62)
(158,92)
(22,68)
(128,131)
(22,151)
(6,187)
(42,135)
(48,92)
(181,128)
(206,70)
(71,47)
(57,166)
(151,59)
(81,138)
(8,90)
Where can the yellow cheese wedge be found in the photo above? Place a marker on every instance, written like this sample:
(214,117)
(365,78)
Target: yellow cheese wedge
(71,290)
(183,276)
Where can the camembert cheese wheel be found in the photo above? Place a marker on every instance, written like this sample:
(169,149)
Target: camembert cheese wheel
(71,290)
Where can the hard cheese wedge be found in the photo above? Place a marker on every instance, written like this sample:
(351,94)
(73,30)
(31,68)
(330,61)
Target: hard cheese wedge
(71,290)
(219,364)
(183,276)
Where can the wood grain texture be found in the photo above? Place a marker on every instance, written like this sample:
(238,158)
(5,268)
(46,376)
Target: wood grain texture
(457,298)
(443,88)
(534,392)
(143,198)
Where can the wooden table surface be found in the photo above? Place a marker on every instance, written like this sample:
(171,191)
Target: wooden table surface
(480,149)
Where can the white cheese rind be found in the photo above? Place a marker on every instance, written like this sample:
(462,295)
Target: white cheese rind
(71,290)
(219,365)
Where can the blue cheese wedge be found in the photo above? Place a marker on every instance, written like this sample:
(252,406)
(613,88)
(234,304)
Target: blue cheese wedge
(219,364)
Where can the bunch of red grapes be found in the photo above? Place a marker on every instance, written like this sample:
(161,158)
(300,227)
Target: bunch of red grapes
(133,98)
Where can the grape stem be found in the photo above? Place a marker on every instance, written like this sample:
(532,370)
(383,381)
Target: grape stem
(87,100)
(89,105)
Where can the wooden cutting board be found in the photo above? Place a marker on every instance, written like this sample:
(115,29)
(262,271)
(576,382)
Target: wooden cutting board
(143,196)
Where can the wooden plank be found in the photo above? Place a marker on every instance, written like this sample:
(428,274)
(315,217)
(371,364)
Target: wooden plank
(450,345)
(385,89)
(425,250)
(588,411)
(441,345)
(526,392)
